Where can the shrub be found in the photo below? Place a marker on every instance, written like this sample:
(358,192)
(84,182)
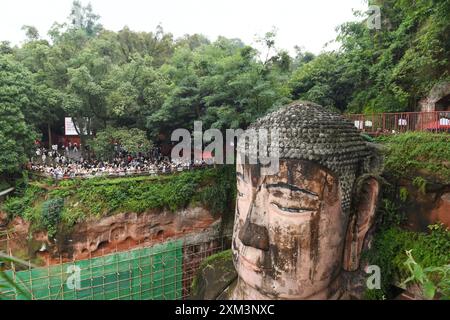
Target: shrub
(18,204)
(420,183)
(4,185)
(403,194)
(51,215)
(219,196)
(389,252)
(432,280)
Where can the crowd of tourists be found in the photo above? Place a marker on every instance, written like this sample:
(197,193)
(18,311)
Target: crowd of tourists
(68,162)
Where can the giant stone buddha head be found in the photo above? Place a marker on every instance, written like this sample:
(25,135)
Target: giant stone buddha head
(297,231)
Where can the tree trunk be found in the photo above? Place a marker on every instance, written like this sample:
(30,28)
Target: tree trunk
(49,128)
(82,144)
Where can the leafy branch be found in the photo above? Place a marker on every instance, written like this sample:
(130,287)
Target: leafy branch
(434,281)
(10,282)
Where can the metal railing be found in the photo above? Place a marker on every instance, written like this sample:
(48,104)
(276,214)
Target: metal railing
(119,174)
(389,123)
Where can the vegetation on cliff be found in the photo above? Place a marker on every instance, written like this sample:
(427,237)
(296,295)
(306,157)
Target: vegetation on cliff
(47,204)
(421,158)
(405,256)
(389,252)
(413,154)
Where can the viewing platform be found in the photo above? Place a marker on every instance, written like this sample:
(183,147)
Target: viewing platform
(391,123)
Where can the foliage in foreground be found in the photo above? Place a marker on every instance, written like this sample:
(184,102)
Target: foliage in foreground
(389,252)
(433,280)
(7,282)
(420,157)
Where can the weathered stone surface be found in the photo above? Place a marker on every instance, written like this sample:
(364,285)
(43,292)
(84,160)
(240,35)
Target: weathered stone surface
(426,207)
(308,131)
(437,93)
(214,276)
(109,234)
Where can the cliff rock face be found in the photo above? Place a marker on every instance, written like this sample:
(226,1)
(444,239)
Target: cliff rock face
(437,93)
(109,234)
(426,207)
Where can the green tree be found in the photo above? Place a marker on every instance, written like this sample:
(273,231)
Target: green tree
(327,80)
(135,90)
(384,70)
(16,133)
(5,47)
(84,18)
(31,32)
(44,64)
(399,63)
(17,139)
(132,140)
(224,84)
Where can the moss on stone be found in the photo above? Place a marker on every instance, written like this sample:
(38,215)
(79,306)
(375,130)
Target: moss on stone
(217,258)
(219,271)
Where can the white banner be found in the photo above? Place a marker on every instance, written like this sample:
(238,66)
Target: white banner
(70,127)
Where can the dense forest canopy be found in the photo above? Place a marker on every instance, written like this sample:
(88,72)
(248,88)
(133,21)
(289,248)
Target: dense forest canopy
(152,82)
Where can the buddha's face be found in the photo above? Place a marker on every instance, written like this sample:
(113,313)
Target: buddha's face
(289,230)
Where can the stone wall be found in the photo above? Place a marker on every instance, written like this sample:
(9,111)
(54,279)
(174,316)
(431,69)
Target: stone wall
(118,232)
(437,93)
(425,207)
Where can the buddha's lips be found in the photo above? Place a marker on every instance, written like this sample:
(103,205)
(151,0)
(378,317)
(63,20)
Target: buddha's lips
(251,265)
(240,247)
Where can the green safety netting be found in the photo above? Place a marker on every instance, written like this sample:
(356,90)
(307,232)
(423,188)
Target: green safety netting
(140,274)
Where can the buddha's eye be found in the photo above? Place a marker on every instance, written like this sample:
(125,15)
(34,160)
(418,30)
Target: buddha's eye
(291,209)
(240,194)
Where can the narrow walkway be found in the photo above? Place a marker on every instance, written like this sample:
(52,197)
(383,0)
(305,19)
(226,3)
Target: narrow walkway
(391,123)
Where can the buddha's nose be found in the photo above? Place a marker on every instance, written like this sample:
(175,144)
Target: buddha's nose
(254,235)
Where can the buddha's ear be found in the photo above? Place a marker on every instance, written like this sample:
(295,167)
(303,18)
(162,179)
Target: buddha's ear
(362,219)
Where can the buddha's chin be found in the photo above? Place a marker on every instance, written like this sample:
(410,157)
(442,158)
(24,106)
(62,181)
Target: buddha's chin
(257,283)
(250,291)
(253,291)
